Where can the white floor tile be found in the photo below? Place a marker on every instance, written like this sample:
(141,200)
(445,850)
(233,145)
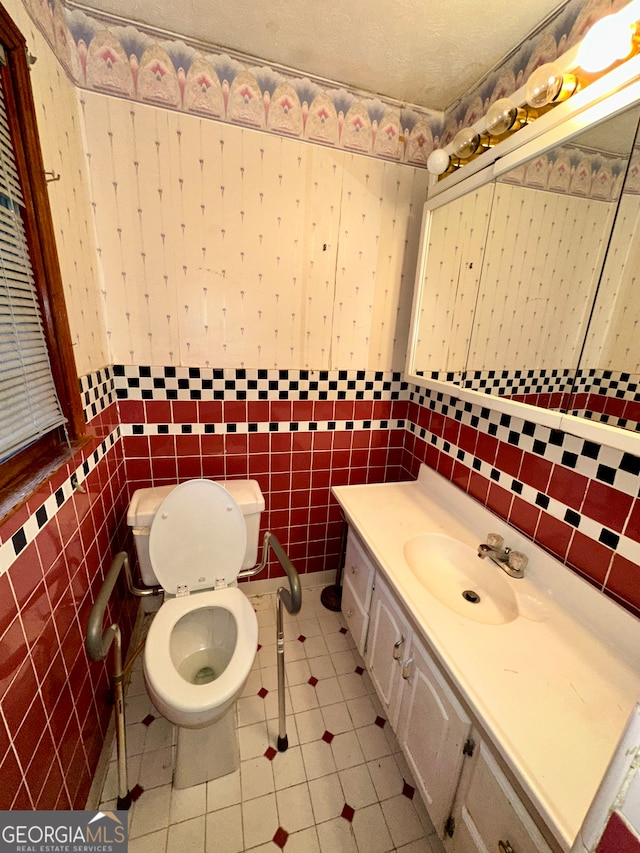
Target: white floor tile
(160,734)
(318,759)
(187,837)
(362,711)
(256,778)
(187,803)
(374,742)
(254,740)
(315,647)
(370,830)
(224,831)
(294,808)
(297,672)
(156,768)
(303,698)
(311,725)
(259,820)
(386,777)
(328,691)
(322,667)
(251,709)
(155,842)
(402,820)
(346,750)
(327,798)
(288,768)
(344,662)
(357,786)
(150,812)
(224,792)
(305,841)
(337,836)
(337,718)
(352,685)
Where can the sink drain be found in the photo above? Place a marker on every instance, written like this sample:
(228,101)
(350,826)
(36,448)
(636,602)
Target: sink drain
(471,596)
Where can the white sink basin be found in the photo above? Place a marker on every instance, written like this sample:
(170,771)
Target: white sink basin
(454,574)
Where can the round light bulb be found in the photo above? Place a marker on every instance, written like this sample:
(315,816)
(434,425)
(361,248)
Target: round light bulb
(500,117)
(607,42)
(438,161)
(544,85)
(465,143)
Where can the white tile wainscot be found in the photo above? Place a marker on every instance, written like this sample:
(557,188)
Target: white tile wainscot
(548,693)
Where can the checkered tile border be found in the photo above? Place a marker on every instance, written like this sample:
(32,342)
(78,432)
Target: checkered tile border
(507,382)
(134,382)
(97,392)
(14,546)
(614,467)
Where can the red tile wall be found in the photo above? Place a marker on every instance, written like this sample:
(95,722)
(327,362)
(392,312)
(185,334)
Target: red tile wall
(294,469)
(602,566)
(53,701)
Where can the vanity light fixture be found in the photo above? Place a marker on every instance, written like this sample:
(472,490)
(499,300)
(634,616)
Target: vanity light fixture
(466,143)
(438,161)
(549,85)
(504,116)
(611,39)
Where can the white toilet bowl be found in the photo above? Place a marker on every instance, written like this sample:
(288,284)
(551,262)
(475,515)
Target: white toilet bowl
(198,655)
(202,643)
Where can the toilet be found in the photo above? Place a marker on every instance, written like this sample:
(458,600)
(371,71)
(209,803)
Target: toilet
(192,540)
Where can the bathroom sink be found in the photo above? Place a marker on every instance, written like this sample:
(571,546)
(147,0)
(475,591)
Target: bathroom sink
(454,574)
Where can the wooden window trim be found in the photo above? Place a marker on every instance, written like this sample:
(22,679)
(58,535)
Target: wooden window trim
(21,475)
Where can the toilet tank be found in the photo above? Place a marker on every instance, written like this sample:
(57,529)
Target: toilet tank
(145,502)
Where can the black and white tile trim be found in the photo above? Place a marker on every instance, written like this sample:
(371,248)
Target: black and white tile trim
(261,427)
(13,547)
(136,382)
(97,392)
(622,386)
(608,465)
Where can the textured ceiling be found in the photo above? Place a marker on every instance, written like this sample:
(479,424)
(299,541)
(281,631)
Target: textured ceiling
(424,52)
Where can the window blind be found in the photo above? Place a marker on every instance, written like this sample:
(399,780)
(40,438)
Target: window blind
(29,405)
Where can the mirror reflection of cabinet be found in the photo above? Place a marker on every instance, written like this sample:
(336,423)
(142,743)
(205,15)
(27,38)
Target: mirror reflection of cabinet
(552,319)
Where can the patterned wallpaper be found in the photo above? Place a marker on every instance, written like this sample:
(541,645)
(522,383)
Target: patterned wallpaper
(61,133)
(509,272)
(131,61)
(219,246)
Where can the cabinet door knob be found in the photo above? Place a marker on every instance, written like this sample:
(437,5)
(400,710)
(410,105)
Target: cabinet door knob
(349,614)
(354,570)
(406,674)
(396,648)
(505,847)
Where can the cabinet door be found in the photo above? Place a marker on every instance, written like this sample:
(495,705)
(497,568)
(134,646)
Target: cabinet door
(356,618)
(488,813)
(432,730)
(386,644)
(359,572)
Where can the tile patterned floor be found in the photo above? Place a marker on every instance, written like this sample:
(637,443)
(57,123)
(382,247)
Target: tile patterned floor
(341,787)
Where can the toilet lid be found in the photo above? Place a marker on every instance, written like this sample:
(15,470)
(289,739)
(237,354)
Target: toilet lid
(198,537)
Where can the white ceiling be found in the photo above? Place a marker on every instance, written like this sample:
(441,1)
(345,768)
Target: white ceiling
(423,52)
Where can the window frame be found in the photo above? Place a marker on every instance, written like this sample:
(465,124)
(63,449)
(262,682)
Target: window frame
(21,475)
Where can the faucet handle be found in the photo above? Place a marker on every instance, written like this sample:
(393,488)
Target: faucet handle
(518,561)
(494,540)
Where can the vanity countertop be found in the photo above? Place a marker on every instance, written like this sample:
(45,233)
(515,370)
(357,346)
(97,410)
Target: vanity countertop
(555,686)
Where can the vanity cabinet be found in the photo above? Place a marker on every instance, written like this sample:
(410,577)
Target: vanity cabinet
(473,806)
(488,815)
(431,725)
(357,586)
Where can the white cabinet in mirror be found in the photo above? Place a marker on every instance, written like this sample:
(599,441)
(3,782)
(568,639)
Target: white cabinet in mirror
(526,287)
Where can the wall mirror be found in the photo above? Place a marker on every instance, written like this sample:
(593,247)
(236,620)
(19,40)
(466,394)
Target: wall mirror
(528,285)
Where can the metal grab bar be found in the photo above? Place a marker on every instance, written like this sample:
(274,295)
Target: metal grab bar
(97,643)
(292,600)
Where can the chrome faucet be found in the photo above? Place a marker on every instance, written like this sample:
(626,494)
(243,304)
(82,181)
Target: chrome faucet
(512,562)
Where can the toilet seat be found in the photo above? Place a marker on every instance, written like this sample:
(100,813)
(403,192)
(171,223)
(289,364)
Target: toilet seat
(198,538)
(181,702)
